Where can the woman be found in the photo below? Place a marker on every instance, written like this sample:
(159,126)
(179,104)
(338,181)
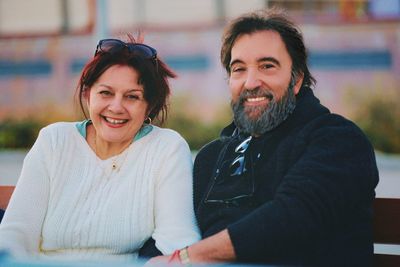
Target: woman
(100,188)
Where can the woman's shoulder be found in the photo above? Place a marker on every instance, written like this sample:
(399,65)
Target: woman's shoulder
(167,133)
(59,126)
(58,130)
(168,136)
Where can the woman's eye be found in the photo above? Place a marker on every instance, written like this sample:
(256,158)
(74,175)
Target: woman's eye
(105,93)
(132,96)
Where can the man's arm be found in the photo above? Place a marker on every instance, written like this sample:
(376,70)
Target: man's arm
(216,248)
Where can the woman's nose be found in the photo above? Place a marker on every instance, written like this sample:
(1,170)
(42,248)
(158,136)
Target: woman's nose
(116,105)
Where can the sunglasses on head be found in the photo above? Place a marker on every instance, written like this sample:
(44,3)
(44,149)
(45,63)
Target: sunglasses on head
(115,45)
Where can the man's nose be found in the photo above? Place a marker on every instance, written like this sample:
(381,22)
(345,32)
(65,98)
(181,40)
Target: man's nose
(252,79)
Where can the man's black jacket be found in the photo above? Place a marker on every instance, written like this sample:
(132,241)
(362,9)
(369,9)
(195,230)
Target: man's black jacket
(315,182)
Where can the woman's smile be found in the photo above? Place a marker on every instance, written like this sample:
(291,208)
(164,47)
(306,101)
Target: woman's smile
(114,121)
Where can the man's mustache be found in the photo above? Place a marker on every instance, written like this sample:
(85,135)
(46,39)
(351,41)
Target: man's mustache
(257,92)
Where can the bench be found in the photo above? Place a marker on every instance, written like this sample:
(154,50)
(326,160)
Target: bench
(386,224)
(5,194)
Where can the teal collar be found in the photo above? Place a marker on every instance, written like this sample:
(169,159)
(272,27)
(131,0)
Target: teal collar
(146,129)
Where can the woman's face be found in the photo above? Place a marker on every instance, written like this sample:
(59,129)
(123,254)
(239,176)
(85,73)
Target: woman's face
(116,104)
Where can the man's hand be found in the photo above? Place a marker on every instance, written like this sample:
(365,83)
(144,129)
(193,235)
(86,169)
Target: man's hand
(216,248)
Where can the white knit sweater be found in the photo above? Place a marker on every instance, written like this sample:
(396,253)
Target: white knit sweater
(69,204)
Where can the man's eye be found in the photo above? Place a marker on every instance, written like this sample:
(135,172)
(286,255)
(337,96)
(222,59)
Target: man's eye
(238,69)
(267,66)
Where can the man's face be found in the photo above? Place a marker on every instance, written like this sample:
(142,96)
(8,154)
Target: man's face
(261,83)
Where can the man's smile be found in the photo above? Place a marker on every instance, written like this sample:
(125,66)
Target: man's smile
(256,98)
(255,101)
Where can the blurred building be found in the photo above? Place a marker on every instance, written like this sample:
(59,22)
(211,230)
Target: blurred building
(354,46)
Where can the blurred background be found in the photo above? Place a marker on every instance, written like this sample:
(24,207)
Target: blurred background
(354,53)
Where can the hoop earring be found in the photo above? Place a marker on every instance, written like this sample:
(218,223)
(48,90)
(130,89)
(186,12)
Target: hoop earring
(147,121)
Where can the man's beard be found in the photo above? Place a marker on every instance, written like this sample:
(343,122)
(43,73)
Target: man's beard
(260,119)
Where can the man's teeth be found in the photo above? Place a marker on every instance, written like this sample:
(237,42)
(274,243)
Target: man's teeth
(113,121)
(255,99)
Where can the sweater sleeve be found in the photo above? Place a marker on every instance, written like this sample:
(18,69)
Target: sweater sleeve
(175,224)
(333,177)
(20,230)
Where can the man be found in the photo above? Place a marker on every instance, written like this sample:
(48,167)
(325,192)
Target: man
(287,182)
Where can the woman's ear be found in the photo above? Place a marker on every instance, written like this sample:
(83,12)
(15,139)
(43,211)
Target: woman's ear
(148,111)
(86,95)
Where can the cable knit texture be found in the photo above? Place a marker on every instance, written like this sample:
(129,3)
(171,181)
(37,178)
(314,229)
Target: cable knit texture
(70,204)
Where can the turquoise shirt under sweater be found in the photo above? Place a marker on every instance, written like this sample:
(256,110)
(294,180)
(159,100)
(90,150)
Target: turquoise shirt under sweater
(146,129)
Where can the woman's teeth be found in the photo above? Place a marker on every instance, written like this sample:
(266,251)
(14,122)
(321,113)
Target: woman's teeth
(114,121)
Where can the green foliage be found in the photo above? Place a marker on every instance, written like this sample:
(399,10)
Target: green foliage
(379,117)
(18,133)
(196,122)
(196,132)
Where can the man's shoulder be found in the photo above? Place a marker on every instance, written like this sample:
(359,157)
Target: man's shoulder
(336,130)
(312,116)
(330,121)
